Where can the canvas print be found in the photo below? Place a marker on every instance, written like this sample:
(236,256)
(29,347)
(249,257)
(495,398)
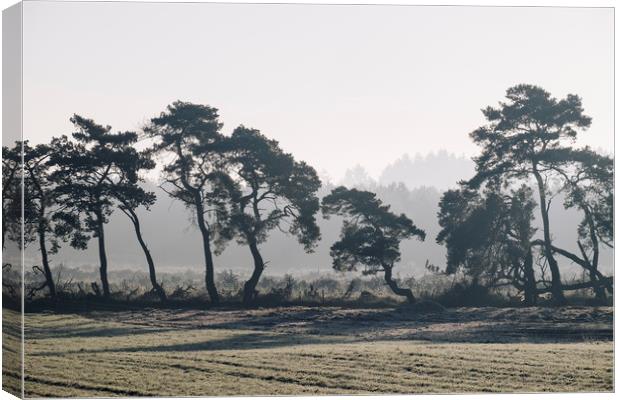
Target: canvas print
(293,199)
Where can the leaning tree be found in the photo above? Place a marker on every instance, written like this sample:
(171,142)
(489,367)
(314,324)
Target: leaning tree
(370,236)
(269,190)
(519,143)
(40,198)
(85,168)
(130,197)
(589,187)
(489,236)
(188,137)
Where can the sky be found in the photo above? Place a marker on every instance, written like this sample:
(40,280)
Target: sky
(337,86)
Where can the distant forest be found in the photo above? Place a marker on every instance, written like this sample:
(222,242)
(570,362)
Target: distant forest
(440,170)
(168,225)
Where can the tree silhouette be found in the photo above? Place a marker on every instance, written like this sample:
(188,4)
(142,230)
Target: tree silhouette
(43,218)
(40,199)
(86,172)
(489,235)
(12,174)
(271,190)
(130,197)
(12,179)
(189,135)
(522,140)
(590,189)
(370,236)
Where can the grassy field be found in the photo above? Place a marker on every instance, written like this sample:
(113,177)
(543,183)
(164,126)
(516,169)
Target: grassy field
(11,352)
(299,350)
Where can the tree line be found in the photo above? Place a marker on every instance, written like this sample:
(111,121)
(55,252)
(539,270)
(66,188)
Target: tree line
(239,187)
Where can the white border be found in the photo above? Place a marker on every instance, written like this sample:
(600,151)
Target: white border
(504,3)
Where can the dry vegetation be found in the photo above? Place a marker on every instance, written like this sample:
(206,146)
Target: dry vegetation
(302,350)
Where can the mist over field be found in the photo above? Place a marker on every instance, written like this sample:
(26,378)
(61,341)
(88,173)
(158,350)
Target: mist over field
(411,184)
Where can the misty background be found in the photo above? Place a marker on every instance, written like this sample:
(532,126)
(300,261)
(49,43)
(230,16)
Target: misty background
(411,185)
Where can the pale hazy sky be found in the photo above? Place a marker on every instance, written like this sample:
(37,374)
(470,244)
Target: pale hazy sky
(336,85)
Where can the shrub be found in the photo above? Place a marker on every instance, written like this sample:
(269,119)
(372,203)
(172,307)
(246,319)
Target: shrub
(470,295)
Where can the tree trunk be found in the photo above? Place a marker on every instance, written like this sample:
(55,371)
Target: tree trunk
(3,227)
(209,268)
(5,193)
(583,263)
(103,259)
(406,292)
(529,287)
(556,281)
(598,290)
(583,285)
(49,278)
(149,259)
(249,288)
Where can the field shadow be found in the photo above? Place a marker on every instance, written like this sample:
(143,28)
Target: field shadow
(267,329)
(90,332)
(246,341)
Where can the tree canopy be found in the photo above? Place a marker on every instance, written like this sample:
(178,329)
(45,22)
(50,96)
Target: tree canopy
(269,189)
(371,234)
(87,171)
(527,136)
(489,236)
(189,136)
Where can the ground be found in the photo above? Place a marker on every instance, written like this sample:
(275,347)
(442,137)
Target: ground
(300,350)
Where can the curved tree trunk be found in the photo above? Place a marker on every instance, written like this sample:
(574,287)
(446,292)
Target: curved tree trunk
(49,278)
(529,287)
(206,244)
(594,274)
(582,285)
(598,290)
(3,227)
(600,278)
(5,193)
(103,259)
(204,230)
(406,292)
(249,288)
(556,281)
(149,259)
